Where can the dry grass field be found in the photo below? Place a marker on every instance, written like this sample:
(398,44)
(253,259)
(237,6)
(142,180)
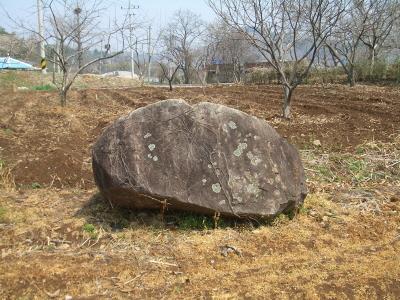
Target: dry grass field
(59,238)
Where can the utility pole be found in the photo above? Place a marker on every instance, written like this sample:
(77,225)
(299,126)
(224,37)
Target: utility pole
(131,14)
(149,57)
(78,11)
(101,55)
(41,33)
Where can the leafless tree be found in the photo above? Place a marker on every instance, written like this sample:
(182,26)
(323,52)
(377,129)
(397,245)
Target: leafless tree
(139,57)
(144,47)
(393,43)
(202,57)
(78,34)
(170,57)
(345,42)
(62,31)
(8,44)
(181,36)
(288,34)
(169,70)
(60,36)
(231,47)
(18,47)
(153,42)
(383,16)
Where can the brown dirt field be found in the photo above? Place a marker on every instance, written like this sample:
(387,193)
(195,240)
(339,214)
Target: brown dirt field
(51,146)
(344,243)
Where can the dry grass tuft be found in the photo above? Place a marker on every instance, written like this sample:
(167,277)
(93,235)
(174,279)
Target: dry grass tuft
(373,162)
(366,179)
(7,181)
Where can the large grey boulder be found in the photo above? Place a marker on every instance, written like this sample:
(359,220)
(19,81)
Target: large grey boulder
(205,158)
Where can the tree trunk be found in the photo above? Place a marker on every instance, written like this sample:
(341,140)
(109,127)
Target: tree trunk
(287,98)
(54,67)
(187,76)
(63,97)
(54,75)
(372,63)
(350,76)
(236,72)
(170,85)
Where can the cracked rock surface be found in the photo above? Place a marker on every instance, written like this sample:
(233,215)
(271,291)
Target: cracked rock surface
(204,158)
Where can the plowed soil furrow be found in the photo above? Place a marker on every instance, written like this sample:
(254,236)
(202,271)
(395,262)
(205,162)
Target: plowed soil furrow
(41,134)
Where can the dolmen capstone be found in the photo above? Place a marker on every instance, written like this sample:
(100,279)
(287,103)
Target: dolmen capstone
(205,158)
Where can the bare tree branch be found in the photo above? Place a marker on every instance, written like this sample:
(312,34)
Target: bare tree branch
(288,34)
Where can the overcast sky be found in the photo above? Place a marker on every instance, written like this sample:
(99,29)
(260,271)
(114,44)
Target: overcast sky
(158,11)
